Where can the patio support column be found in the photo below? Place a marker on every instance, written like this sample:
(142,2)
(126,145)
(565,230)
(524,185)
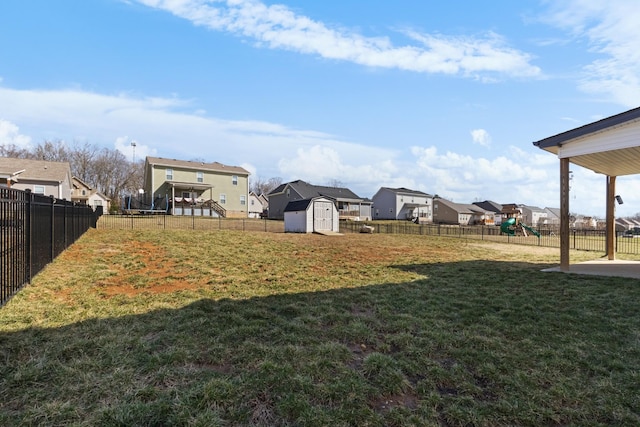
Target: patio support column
(611,219)
(564,214)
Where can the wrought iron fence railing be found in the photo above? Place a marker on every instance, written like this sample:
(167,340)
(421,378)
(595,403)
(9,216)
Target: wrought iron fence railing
(586,240)
(34,229)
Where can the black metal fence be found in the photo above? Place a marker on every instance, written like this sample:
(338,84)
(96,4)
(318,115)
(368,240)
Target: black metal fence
(179,222)
(586,240)
(34,229)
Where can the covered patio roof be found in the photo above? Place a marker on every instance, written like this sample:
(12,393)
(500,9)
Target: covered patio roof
(610,146)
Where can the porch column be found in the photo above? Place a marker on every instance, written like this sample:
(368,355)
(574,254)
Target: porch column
(611,218)
(564,214)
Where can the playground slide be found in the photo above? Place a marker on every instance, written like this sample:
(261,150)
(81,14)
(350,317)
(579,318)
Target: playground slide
(531,230)
(509,227)
(506,226)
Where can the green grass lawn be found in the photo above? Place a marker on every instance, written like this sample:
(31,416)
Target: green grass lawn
(231,328)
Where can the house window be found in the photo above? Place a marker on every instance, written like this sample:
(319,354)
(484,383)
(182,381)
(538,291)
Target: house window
(288,192)
(84,192)
(223,199)
(253,202)
(97,203)
(38,189)
(234,179)
(199,177)
(243,200)
(169,175)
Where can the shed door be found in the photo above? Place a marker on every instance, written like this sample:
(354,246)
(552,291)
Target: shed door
(322,215)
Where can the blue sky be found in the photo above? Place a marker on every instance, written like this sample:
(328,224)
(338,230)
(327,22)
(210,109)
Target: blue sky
(443,97)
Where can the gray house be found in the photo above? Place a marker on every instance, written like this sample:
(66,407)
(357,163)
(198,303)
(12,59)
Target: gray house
(533,215)
(349,205)
(402,203)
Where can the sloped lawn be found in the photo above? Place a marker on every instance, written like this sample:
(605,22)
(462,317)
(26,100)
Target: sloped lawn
(160,328)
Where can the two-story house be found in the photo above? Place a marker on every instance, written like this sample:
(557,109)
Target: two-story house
(39,176)
(183,187)
(349,205)
(402,204)
(533,215)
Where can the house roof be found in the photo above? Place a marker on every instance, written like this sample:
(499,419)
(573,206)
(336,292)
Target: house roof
(308,191)
(199,166)
(77,182)
(532,208)
(490,206)
(35,170)
(458,207)
(402,190)
(554,211)
(609,146)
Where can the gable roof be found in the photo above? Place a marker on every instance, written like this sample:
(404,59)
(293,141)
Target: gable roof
(490,206)
(35,170)
(77,182)
(198,166)
(402,190)
(458,207)
(308,191)
(609,146)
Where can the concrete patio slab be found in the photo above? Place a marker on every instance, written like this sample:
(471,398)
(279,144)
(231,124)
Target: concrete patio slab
(603,267)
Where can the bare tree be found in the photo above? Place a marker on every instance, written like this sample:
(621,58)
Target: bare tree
(259,185)
(12,150)
(336,183)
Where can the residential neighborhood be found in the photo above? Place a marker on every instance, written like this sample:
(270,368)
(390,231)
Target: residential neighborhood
(198,188)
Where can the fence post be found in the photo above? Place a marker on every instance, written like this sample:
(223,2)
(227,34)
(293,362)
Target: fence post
(53,228)
(27,237)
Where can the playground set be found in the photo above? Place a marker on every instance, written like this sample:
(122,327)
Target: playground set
(512,227)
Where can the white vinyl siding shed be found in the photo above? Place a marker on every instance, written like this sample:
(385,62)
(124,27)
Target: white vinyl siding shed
(311,215)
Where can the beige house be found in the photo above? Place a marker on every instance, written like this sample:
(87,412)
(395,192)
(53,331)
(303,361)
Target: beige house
(258,205)
(38,176)
(447,212)
(182,187)
(84,194)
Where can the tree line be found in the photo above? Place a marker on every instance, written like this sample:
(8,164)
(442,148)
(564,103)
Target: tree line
(105,170)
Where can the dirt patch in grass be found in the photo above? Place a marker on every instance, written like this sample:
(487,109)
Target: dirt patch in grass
(148,269)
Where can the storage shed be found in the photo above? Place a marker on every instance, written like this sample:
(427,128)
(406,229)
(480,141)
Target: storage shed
(315,215)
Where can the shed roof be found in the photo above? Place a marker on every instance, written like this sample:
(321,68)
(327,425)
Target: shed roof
(298,205)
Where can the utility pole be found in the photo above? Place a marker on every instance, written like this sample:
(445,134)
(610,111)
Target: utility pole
(133,147)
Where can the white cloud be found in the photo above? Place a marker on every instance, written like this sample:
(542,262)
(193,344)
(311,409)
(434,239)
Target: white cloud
(270,150)
(481,137)
(611,28)
(10,135)
(277,27)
